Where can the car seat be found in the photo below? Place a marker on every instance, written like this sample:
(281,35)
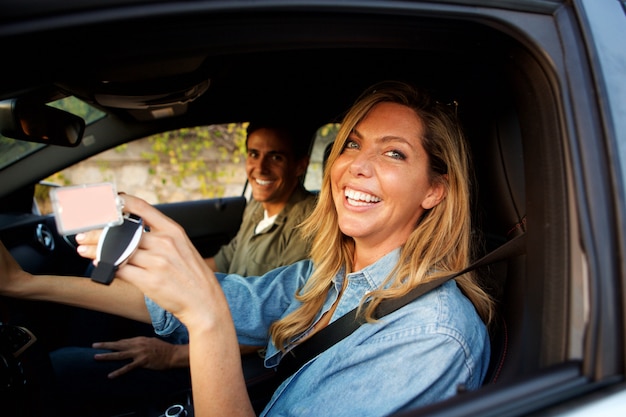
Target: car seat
(502,203)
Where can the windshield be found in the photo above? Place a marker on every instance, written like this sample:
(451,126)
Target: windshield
(12,150)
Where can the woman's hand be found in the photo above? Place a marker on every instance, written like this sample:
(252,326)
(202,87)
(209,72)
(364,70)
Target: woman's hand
(167,268)
(88,243)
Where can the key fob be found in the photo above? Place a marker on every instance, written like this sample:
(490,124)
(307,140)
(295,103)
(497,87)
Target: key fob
(116,244)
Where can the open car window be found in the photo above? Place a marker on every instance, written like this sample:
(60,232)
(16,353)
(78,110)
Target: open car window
(186,164)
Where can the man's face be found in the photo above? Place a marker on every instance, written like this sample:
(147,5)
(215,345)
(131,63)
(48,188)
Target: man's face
(272,169)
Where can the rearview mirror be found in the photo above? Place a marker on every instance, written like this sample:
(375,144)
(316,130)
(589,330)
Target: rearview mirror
(37,122)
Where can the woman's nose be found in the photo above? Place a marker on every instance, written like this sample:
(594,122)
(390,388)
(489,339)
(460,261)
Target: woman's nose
(361,164)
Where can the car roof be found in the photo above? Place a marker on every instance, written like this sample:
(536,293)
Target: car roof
(33,8)
(175,64)
(275,55)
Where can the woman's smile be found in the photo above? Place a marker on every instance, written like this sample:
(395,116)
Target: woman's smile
(360,198)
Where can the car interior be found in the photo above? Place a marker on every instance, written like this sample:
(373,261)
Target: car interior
(199,69)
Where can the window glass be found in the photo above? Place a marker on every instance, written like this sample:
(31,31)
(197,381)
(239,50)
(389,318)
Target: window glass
(325,135)
(79,108)
(12,150)
(188,164)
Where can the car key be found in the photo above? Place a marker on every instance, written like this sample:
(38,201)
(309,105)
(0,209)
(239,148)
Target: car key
(116,244)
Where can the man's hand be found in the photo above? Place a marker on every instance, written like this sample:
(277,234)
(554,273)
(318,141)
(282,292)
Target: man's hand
(144,352)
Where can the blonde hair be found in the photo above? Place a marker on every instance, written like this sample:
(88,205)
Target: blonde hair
(439,244)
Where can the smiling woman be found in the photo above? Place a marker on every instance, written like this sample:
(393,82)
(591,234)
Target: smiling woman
(383,180)
(382,250)
(540,92)
(349,266)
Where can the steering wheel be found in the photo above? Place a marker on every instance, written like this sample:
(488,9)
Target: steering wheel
(14,340)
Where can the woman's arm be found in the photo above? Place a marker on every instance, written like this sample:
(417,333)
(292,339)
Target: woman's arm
(119,298)
(167,268)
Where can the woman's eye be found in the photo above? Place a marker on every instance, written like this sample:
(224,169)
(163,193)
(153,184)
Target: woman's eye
(396,155)
(350,144)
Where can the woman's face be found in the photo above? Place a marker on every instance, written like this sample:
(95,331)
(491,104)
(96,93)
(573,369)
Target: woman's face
(380,181)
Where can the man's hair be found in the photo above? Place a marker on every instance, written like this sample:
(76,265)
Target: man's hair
(298,137)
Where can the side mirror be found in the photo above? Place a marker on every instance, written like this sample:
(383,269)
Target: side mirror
(36,122)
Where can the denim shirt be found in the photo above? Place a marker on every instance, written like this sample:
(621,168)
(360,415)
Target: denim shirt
(414,356)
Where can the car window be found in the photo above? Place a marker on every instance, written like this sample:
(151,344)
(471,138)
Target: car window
(325,135)
(12,150)
(78,107)
(180,165)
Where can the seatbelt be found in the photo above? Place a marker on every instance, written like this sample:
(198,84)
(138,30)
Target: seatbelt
(348,323)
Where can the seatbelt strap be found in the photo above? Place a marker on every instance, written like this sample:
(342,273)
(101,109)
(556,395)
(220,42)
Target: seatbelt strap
(348,323)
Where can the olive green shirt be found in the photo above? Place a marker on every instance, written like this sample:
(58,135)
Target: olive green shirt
(250,254)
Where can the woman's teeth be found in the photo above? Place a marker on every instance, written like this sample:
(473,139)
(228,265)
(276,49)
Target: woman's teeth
(358,198)
(263,182)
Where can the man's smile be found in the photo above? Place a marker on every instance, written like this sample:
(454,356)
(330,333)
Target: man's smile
(263,182)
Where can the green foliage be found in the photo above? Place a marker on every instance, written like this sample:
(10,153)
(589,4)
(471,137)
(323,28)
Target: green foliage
(328,131)
(190,163)
(183,154)
(58,178)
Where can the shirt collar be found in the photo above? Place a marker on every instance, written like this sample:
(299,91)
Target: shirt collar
(299,194)
(374,273)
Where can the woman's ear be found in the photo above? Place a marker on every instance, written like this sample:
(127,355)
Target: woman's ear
(435,195)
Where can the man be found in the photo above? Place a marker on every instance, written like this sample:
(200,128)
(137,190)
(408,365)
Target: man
(268,237)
